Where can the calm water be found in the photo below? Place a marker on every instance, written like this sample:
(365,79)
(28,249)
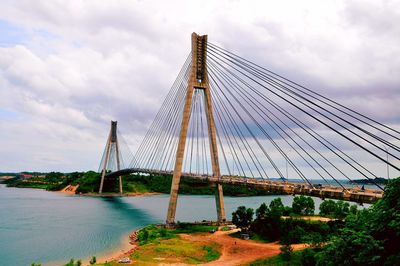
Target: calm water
(40,226)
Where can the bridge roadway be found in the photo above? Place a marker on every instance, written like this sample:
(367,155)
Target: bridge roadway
(354,194)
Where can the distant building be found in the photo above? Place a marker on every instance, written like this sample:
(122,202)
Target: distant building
(25,176)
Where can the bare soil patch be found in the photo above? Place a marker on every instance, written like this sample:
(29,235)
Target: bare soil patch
(237,251)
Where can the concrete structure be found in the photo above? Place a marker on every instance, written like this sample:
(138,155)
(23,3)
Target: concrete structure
(353,194)
(198,80)
(111,147)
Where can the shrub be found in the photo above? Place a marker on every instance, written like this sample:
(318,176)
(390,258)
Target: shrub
(286,252)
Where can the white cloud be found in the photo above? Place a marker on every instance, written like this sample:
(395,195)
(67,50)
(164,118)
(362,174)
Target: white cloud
(83,63)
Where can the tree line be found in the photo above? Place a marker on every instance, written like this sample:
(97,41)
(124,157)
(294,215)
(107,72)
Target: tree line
(369,236)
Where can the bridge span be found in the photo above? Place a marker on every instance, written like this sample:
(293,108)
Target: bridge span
(354,194)
(233,121)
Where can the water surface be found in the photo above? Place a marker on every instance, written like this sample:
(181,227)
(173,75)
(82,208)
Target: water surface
(41,226)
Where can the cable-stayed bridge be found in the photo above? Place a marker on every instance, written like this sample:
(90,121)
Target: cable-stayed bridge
(229,120)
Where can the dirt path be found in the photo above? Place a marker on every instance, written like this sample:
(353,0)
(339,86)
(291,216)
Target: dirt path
(237,251)
(311,218)
(70,189)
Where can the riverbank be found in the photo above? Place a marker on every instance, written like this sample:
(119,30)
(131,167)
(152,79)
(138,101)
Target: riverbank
(127,246)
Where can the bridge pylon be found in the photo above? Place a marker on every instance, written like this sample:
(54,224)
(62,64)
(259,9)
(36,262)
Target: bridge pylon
(112,151)
(198,80)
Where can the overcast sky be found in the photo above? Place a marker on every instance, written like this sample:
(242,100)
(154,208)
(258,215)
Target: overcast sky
(68,67)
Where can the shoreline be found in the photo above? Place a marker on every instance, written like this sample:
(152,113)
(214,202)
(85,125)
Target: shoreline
(126,247)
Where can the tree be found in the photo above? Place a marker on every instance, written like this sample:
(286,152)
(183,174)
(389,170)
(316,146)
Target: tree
(276,207)
(293,235)
(384,220)
(351,248)
(243,217)
(353,209)
(267,222)
(327,208)
(342,209)
(339,209)
(70,263)
(93,260)
(262,212)
(370,236)
(303,205)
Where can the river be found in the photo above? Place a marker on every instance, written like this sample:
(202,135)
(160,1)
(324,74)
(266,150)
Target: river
(50,227)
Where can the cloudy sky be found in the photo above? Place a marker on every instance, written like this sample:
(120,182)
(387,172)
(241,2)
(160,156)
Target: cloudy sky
(68,67)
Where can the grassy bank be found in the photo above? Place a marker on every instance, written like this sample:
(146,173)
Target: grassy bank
(159,245)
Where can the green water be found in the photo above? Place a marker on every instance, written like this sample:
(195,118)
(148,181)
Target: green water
(48,227)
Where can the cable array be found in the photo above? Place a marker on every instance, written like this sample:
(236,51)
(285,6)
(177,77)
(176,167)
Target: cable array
(267,124)
(125,155)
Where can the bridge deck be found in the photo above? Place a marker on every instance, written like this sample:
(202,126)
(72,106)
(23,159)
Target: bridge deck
(353,194)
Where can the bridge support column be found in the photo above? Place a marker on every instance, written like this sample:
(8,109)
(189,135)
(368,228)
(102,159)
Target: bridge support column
(111,147)
(198,80)
(219,200)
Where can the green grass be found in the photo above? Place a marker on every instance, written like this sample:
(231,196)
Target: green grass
(198,228)
(212,253)
(32,185)
(136,187)
(295,260)
(153,233)
(159,245)
(175,250)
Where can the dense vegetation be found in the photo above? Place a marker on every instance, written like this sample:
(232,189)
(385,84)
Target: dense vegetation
(369,237)
(360,237)
(54,181)
(270,225)
(89,182)
(162,184)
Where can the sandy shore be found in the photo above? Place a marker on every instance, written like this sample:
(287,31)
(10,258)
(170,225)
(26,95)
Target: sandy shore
(126,248)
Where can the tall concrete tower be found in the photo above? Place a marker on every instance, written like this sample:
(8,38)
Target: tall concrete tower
(112,149)
(198,80)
